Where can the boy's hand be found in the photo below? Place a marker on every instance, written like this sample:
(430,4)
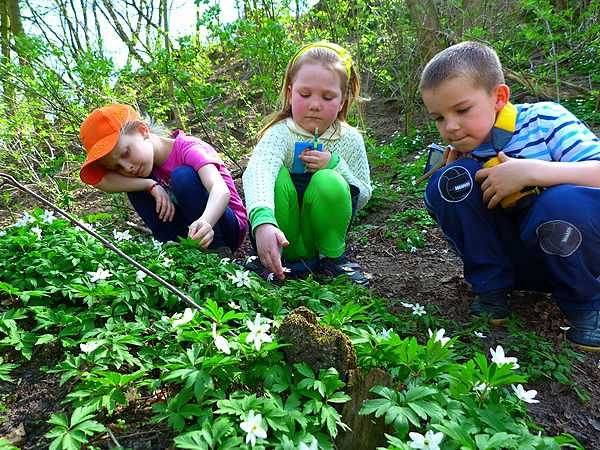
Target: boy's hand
(164,206)
(269,242)
(200,230)
(502,180)
(314,160)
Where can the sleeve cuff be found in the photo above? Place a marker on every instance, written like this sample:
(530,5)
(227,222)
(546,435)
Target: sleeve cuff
(334,161)
(261,215)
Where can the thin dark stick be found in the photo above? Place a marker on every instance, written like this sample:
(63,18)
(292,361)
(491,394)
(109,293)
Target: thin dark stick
(430,172)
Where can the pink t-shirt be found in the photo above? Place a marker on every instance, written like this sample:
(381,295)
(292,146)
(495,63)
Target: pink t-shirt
(193,152)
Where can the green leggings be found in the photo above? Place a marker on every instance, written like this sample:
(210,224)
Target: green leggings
(316,225)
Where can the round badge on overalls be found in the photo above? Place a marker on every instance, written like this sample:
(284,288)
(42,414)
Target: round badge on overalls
(558,237)
(455,184)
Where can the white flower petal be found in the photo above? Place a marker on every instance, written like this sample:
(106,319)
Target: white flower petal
(89,347)
(140,275)
(188,315)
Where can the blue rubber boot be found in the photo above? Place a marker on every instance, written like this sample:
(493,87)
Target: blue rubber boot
(585,330)
(493,305)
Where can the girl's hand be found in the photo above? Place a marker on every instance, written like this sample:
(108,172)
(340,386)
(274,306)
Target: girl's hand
(201,231)
(502,180)
(314,160)
(164,206)
(269,242)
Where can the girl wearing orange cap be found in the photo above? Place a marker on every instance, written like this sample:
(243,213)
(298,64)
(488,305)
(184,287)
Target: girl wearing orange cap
(309,171)
(178,185)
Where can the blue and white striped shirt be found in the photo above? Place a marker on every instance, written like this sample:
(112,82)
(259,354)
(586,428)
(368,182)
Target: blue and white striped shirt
(547,131)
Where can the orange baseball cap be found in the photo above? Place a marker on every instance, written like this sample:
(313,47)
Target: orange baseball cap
(99,134)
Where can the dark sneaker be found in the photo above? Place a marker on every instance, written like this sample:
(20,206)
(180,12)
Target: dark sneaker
(301,268)
(292,269)
(253,264)
(223,252)
(342,266)
(493,305)
(585,330)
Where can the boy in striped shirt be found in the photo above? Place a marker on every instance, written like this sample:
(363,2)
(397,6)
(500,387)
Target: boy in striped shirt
(548,242)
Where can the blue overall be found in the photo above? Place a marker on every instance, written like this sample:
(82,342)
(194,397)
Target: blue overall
(553,245)
(190,198)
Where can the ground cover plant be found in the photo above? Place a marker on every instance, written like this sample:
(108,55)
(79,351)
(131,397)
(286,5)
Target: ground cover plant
(216,377)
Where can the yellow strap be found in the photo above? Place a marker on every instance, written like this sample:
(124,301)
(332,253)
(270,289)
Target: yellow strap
(504,127)
(507,118)
(341,52)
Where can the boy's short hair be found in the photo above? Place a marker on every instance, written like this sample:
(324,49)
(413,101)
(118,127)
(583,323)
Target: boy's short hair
(471,59)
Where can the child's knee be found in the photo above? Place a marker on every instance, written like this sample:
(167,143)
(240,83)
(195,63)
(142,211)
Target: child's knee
(452,184)
(330,185)
(183,178)
(560,218)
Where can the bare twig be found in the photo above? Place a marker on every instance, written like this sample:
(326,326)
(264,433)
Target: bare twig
(430,172)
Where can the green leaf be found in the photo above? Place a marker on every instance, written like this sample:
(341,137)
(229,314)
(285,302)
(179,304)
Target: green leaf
(305,370)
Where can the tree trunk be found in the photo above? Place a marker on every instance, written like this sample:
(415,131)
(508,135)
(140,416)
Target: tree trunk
(164,12)
(424,16)
(11,26)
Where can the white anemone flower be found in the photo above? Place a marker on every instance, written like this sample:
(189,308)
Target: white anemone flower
(140,275)
(259,333)
(167,262)
(233,305)
(431,440)
(385,334)
(48,216)
(25,219)
(89,347)
(500,358)
(438,336)
(2,233)
(479,334)
(240,278)
(99,275)
(418,310)
(480,387)
(225,261)
(122,235)
(188,315)
(37,231)
(254,428)
(220,342)
(526,396)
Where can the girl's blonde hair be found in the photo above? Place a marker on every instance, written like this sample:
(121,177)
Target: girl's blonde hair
(330,56)
(153,126)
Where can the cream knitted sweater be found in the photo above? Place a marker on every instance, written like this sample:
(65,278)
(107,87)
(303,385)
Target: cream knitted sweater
(276,148)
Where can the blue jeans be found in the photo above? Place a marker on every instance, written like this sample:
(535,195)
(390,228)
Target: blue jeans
(552,246)
(190,198)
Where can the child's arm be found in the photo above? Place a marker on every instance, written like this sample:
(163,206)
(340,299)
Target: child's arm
(218,199)
(115,182)
(515,174)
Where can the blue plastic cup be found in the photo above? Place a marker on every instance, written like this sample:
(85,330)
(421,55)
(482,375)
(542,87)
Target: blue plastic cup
(299,147)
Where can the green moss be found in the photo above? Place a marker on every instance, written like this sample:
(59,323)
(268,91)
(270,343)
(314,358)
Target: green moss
(319,346)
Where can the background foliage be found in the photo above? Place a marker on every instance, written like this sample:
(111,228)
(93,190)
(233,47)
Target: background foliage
(221,84)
